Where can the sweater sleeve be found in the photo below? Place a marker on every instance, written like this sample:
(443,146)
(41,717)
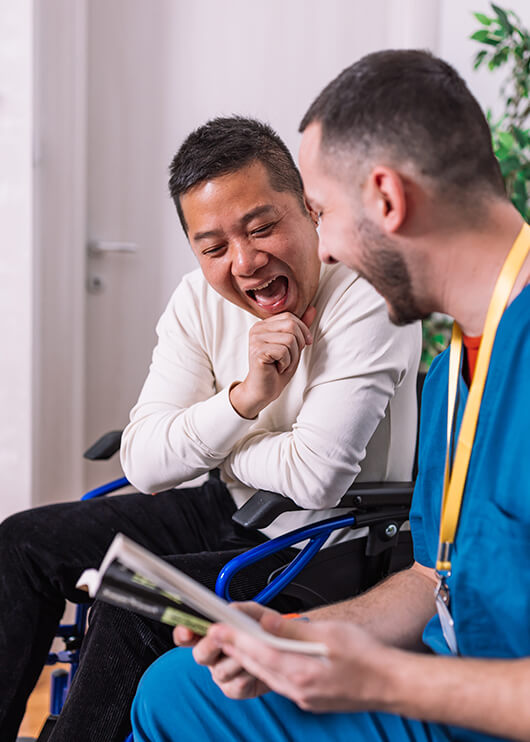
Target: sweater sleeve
(357,361)
(181,426)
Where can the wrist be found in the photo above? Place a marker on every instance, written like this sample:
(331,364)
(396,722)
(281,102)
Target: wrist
(390,679)
(242,402)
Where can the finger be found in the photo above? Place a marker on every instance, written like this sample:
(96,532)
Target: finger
(275,345)
(321,632)
(255,610)
(280,331)
(243,686)
(280,626)
(226,636)
(242,646)
(294,341)
(184,637)
(309,315)
(207,651)
(302,630)
(264,674)
(226,670)
(279,355)
(285,322)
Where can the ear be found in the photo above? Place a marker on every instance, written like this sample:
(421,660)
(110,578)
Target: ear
(312,213)
(385,198)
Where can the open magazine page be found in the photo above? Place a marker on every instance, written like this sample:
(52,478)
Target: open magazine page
(127,589)
(134,578)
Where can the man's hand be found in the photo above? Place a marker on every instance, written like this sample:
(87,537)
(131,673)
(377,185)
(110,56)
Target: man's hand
(360,673)
(184,637)
(275,345)
(227,672)
(353,677)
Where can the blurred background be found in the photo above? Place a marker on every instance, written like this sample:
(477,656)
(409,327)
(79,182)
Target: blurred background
(95,98)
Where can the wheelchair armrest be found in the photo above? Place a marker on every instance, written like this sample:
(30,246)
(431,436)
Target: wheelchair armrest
(366,495)
(104,447)
(262,509)
(264,506)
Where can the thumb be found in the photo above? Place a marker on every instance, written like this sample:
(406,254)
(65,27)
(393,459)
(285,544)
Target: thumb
(287,627)
(309,315)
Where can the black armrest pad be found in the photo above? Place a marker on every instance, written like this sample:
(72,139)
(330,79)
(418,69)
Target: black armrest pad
(104,447)
(264,506)
(377,494)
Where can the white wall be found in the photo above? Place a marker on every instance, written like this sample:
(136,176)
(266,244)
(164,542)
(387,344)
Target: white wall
(241,31)
(264,59)
(16,255)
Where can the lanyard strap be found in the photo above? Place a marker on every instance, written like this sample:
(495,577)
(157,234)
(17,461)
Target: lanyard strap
(455,479)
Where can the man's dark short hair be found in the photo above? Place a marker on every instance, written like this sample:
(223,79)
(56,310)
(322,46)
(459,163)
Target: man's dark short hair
(225,145)
(417,108)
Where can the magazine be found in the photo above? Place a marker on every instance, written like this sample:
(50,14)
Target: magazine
(132,577)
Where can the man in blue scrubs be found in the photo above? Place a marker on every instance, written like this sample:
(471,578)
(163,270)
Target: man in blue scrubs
(397,161)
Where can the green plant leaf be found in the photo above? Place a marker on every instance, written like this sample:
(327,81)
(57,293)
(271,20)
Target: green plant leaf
(483,19)
(479,58)
(503,18)
(506,139)
(510,135)
(485,37)
(519,187)
(522,136)
(509,165)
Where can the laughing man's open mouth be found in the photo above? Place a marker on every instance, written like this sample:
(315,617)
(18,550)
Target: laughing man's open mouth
(270,293)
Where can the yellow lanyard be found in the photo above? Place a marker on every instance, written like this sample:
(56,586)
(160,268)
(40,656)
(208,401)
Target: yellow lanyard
(455,477)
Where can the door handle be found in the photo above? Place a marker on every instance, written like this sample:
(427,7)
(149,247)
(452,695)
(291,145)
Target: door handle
(99,247)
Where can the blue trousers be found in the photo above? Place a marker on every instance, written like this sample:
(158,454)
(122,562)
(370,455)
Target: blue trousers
(177,701)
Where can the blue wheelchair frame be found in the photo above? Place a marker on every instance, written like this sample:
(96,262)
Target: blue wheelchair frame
(384,507)
(73,633)
(269,505)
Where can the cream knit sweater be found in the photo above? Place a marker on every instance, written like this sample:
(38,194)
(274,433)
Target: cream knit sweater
(349,411)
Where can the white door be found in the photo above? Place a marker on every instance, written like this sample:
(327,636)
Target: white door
(155,71)
(129,62)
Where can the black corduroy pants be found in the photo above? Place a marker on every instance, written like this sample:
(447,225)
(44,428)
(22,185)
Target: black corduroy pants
(43,552)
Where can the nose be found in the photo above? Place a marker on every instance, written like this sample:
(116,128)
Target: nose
(324,254)
(246,260)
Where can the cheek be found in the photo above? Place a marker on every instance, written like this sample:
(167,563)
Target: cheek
(280,246)
(216,275)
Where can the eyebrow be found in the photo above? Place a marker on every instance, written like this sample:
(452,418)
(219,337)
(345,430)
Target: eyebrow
(258,211)
(206,235)
(248,217)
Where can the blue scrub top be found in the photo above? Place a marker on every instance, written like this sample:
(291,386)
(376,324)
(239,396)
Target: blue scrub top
(490,582)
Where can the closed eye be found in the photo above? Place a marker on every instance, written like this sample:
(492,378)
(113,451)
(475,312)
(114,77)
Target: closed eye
(263,231)
(214,250)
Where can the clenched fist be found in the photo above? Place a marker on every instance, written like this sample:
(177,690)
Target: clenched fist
(275,345)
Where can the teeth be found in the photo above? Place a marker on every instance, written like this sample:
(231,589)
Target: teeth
(263,285)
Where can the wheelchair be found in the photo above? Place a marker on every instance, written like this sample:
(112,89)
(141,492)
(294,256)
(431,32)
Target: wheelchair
(315,576)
